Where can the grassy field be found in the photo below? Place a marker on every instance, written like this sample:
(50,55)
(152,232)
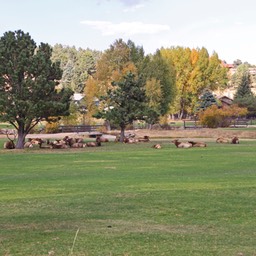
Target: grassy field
(129,200)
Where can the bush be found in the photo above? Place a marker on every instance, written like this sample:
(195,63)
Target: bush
(214,117)
(52,127)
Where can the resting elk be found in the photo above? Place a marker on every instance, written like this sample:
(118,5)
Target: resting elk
(157,146)
(179,144)
(235,140)
(197,144)
(31,142)
(93,144)
(222,140)
(73,142)
(144,139)
(28,144)
(101,139)
(130,140)
(10,144)
(97,143)
(57,144)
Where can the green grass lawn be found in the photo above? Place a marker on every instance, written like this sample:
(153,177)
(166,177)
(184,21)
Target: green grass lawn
(129,200)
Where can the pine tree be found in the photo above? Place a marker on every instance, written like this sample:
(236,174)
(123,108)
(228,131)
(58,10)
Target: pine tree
(28,80)
(124,103)
(206,100)
(243,89)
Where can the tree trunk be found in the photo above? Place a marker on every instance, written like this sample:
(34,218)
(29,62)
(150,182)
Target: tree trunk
(122,136)
(21,137)
(107,125)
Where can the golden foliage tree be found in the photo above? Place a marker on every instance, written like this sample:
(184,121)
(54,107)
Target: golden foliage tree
(195,71)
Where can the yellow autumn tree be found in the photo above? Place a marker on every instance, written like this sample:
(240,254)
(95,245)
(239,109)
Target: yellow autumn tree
(91,93)
(195,71)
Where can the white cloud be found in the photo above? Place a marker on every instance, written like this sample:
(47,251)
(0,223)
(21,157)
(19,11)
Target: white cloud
(126,28)
(134,8)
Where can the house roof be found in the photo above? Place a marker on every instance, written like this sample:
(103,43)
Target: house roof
(226,100)
(77,96)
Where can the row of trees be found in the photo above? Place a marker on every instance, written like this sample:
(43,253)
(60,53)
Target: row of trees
(127,84)
(175,75)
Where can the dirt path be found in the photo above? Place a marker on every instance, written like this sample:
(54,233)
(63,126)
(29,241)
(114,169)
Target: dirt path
(196,133)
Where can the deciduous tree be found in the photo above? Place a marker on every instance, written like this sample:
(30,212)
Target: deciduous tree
(159,78)
(195,71)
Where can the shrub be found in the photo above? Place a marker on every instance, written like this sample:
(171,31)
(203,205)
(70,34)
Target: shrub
(214,117)
(52,127)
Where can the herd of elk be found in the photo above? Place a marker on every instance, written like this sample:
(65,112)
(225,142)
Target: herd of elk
(68,142)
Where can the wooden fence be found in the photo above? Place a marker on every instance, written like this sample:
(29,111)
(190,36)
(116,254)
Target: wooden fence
(80,128)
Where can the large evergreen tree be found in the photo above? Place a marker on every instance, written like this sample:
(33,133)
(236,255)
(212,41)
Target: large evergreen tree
(77,65)
(241,79)
(28,80)
(244,96)
(125,102)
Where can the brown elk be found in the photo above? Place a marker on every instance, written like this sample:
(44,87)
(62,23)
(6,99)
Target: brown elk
(102,139)
(10,144)
(222,140)
(97,143)
(157,146)
(28,144)
(93,144)
(128,138)
(58,145)
(197,144)
(144,139)
(179,144)
(77,145)
(235,140)
(37,141)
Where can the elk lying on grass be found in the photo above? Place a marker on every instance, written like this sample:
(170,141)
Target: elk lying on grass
(235,140)
(197,144)
(35,141)
(77,145)
(179,144)
(130,140)
(222,140)
(144,139)
(93,144)
(102,139)
(28,144)
(157,146)
(71,141)
(10,144)
(58,145)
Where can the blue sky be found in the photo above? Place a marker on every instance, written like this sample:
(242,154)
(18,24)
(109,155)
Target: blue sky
(225,26)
